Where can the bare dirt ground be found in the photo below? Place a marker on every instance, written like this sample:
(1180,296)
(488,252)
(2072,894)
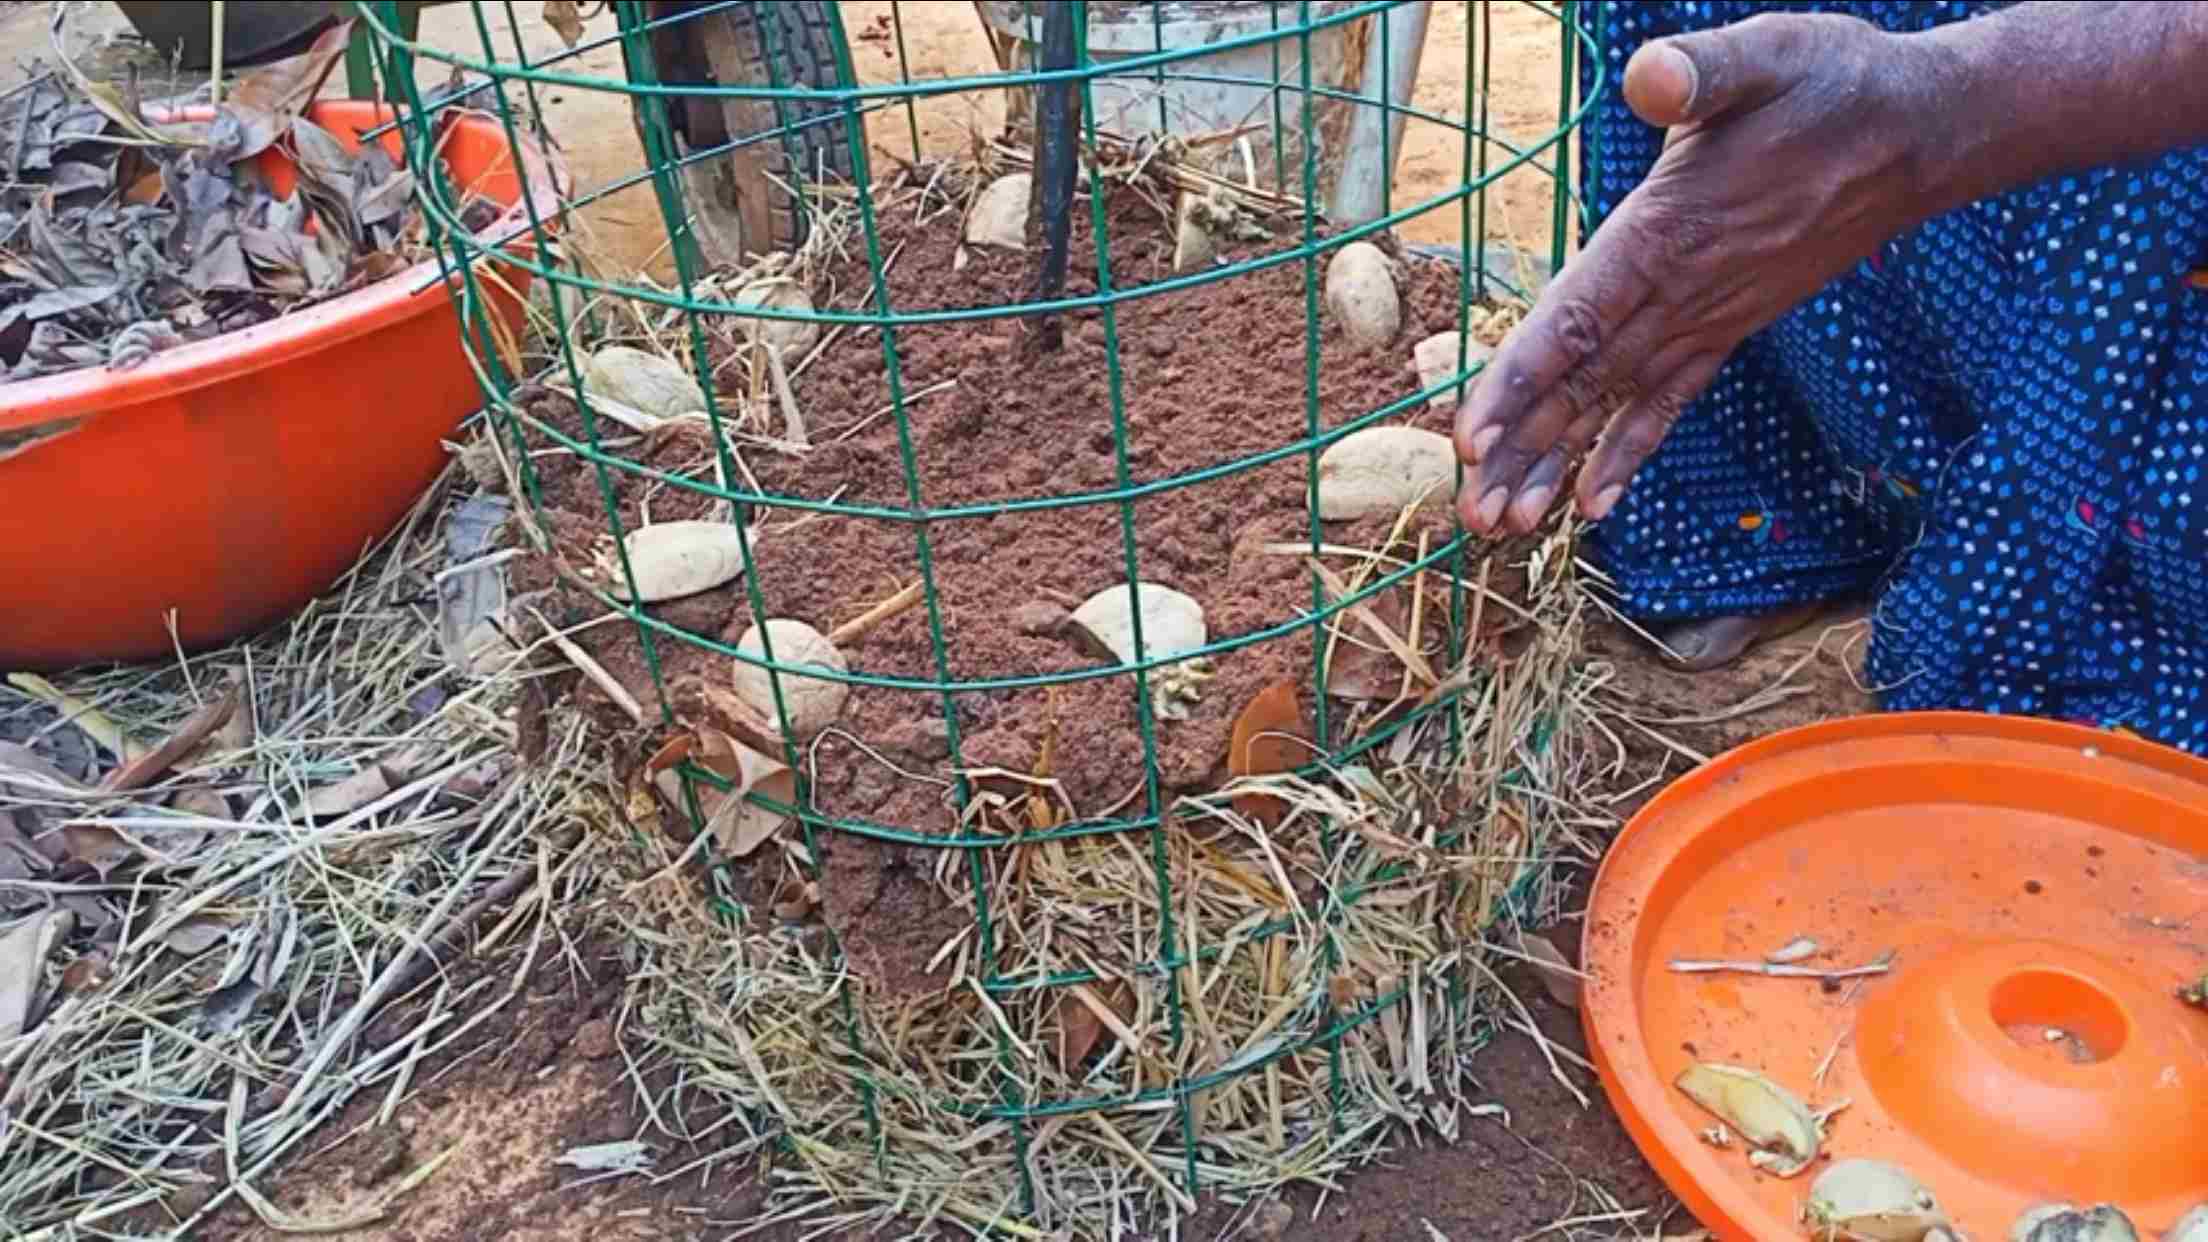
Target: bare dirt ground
(549,1073)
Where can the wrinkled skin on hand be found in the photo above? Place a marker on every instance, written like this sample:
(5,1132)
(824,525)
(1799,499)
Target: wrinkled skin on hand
(1795,146)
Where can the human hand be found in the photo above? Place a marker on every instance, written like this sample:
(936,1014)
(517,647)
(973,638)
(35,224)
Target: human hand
(1795,146)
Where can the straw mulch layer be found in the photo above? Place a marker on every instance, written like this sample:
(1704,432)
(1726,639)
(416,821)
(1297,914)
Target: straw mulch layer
(217,875)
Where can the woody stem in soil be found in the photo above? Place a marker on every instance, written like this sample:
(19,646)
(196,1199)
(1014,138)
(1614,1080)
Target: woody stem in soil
(1057,160)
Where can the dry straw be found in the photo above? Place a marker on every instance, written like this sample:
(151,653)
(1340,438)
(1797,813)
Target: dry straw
(207,1017)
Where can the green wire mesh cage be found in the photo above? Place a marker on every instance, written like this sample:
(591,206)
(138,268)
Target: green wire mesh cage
(1007,514)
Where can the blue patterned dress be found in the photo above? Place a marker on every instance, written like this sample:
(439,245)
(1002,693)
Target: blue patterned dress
(1996,427)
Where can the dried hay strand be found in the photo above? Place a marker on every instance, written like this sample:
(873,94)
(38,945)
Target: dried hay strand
(1218,1001)
(312,864)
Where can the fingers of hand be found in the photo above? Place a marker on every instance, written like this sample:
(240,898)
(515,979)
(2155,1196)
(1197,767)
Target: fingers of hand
(1633,438)
(1538,492)
(1570,329)
(1564,422)
(1710,73)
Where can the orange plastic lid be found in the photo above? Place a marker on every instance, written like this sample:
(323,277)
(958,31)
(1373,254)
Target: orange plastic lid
(2043,888)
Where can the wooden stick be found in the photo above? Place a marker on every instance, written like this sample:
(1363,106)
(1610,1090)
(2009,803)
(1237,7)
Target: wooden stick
(857,627)
(1779,970)
(793,420)
(593,670)
(149,767)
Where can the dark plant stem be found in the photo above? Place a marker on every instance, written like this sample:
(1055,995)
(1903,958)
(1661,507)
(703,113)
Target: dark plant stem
(1057,160)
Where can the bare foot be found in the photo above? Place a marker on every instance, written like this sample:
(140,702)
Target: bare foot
(1700,646)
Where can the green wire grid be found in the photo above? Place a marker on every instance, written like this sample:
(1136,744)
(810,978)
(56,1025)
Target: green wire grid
(509,72)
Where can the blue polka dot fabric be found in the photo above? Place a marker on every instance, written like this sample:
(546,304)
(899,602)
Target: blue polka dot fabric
(1995,427)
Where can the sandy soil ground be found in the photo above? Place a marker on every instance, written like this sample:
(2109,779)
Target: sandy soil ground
(550,1076)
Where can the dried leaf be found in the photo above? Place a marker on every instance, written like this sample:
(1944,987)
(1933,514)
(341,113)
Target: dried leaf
(1258,748)
(351,794)
(384,201)
(203,803)
(1858,1198)
(196,935)
(1079,1026)
(278,259)
(675,751)
(264,102)
(566,19)
(229,1005)
(628,1154)
(20,859)
(24,767)
(101,848)
(221,267)
(76,176)
(23,952)
(87,974)
(1558,979)
(153,765)
(321,157)
(469,599)
(737,824)
(1360,668)
(63,258)
(57,302)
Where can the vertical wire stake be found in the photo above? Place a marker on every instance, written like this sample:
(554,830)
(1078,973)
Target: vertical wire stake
(1057,161)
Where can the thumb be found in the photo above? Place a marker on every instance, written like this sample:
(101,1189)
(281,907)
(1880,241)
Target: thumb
(1713,73)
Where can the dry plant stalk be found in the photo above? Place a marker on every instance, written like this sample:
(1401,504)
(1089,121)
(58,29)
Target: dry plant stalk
(284,916)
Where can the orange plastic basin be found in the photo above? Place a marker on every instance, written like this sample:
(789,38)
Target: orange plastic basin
(2044,887)
(229,481)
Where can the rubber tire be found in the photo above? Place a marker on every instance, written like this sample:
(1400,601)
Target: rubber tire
(741,203)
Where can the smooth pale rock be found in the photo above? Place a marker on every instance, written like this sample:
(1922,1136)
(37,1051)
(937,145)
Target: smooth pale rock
(999,216)
(788,337)
(813,703)
(642,381)
(1436,361)
(1172,623)
(675,559)
(1361,295)
(1379,470)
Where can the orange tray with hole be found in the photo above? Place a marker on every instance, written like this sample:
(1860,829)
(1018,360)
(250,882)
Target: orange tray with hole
(2044,888)
(228,481)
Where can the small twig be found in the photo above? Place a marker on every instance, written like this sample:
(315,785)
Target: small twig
(793,420)
(593,669)
(1781,970)
(858,626)
(214,70)
(439,946)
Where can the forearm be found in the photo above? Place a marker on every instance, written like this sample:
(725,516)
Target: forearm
(2061,86)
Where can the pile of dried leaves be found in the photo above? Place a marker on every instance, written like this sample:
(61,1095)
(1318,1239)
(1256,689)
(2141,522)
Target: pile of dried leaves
(121,235)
